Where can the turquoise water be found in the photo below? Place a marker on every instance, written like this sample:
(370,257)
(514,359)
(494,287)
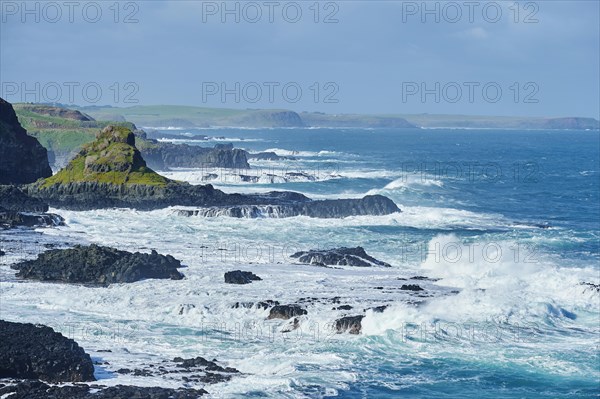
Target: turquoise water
(539,189)
(505,223)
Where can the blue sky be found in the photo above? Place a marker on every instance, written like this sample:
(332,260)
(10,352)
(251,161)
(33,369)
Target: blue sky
(493,58)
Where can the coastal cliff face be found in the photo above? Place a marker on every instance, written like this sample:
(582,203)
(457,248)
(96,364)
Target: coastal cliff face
(22,158)
(162,156)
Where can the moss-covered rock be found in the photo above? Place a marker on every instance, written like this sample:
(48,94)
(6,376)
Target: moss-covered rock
(111,158)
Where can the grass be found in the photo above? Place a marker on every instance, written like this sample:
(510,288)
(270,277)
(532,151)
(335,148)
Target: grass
(108,159)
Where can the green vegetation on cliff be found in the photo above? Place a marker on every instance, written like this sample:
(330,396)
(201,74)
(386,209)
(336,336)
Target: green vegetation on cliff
(111,158)
(61,131)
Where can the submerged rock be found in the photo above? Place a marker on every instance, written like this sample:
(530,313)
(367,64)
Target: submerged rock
(286,312)
(350,324)
(29,351)
(98,265)
(240,277)
(338,257)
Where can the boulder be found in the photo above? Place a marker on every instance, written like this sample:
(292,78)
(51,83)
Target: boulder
(338,257)
(286,312)
(350,324)
(98,265)
(29,351)
(240,277)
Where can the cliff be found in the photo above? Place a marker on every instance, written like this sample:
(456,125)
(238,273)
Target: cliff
(22,158)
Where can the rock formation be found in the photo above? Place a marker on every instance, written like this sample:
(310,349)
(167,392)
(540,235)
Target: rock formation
(338,257)
(22,158)
(98,265)
(28,351)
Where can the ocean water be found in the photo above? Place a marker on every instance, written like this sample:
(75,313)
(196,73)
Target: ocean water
(505,225)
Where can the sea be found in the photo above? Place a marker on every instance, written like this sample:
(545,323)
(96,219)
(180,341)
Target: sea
(500,229)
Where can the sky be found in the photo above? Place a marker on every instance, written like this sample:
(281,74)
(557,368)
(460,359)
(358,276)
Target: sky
(522,58)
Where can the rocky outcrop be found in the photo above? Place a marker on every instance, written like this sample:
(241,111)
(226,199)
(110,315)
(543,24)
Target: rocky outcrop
(338,257)
(13,199)
(29,351)
(369,205)
(285,312)
(268,156)
(39,390)
(58,112)
(162,156)
(240,277)
(350,324)
(189,156)
(110,172)
(17,209)
(22,158)
(98,266)
(411,287)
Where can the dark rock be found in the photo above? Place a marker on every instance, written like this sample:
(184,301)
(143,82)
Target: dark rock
(411,287)
(111,172)
(339,257)
(19,219)
(22,158)
(161,156)
(286,312)
(2,253)
(590,286)
(276,205)
(39,390)
(343,307)
(12,199)
(28,351)
(269,156)
(199,361)
(98,265)
(350,324)
(240,277)
(266,304)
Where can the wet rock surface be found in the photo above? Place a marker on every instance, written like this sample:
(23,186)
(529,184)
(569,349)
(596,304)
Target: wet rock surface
(349,324)
(39,390)
(29,351)
(338,257)
(285,312)
(240,277)
(98,266)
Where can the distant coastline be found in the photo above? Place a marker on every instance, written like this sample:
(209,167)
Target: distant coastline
(176,116)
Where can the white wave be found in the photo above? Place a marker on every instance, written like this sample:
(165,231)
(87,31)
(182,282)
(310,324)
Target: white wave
(499,282)
(413,180)
(293,153)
